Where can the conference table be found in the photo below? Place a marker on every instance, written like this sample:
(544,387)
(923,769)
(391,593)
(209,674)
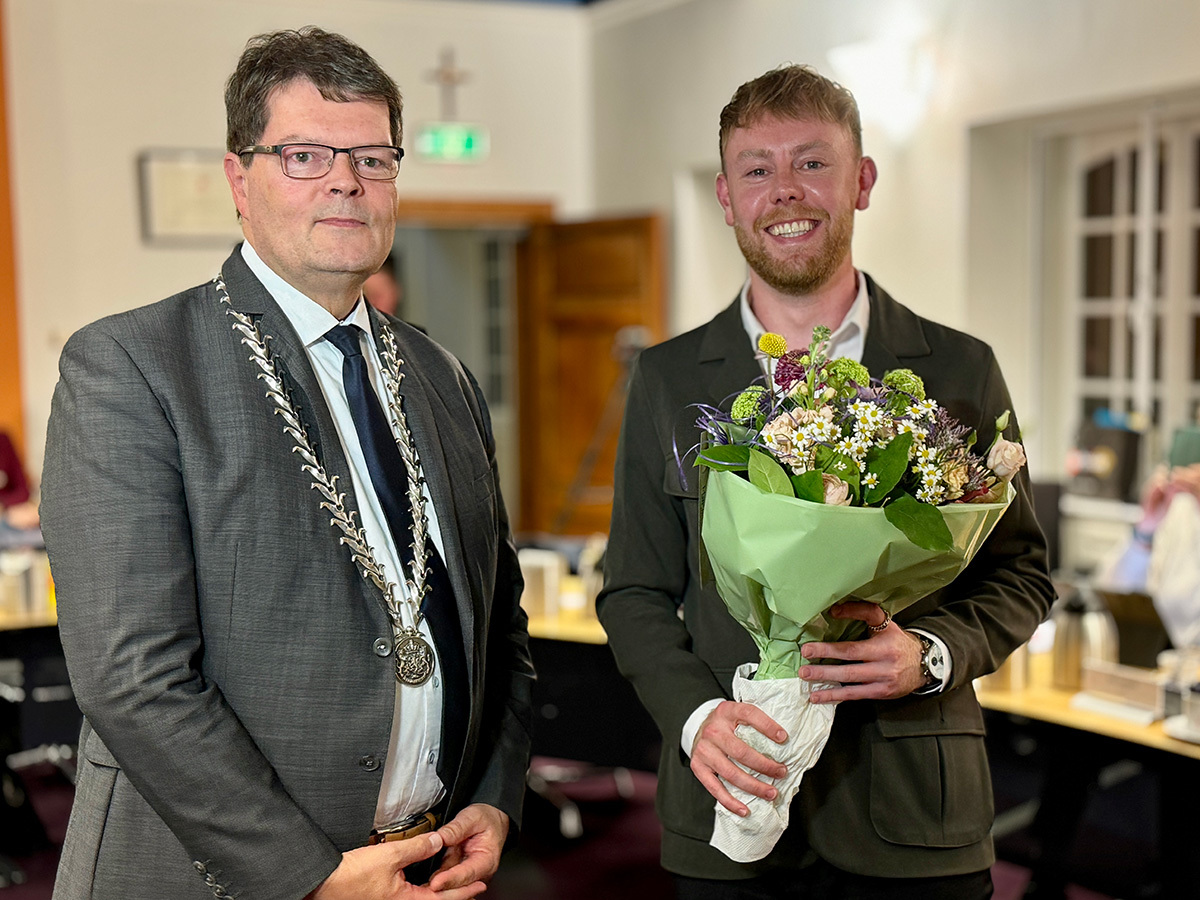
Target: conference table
(585,710)
(1081,741)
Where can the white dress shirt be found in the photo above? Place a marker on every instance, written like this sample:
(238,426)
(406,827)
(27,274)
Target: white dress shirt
(410,780)
(848,341)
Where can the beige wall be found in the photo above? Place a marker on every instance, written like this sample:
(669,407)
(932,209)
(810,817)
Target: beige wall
(92,83)
(610,108)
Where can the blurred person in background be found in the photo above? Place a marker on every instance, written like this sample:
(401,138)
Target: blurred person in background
(383,290)
(17,512)
(1161,558)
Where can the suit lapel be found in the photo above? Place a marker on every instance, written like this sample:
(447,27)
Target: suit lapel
(726,356)
(248,296)
(426,414)
(894,336)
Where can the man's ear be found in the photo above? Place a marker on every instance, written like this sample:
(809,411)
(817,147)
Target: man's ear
(723,197)
(867,176)
(235,174)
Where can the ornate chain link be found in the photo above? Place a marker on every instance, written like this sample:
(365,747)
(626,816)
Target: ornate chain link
(352,535)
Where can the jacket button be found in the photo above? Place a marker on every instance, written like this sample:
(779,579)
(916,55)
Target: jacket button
(369,763)
(382,646)
(200,867)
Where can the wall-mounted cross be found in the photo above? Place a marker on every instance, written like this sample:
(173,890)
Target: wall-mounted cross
(448,77)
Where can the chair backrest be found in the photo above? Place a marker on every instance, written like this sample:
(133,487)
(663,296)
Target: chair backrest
(1046,496)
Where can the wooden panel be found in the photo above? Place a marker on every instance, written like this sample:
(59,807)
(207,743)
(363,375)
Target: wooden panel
(599,263)
(471,213)
(587,293)
(11,419)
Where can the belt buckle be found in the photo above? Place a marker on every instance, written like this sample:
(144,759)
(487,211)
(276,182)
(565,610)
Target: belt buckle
(408,828)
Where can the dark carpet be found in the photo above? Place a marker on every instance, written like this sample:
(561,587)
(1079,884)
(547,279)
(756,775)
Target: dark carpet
(615,855)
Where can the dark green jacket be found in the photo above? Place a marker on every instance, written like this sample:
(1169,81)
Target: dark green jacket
(903,787)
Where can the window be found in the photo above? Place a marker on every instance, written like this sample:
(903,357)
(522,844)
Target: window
(1132,277)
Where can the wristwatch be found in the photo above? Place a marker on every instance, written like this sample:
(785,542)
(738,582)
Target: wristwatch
(933,666)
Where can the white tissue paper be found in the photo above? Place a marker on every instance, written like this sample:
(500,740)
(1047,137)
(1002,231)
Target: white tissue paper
(808,725)
(1173,579)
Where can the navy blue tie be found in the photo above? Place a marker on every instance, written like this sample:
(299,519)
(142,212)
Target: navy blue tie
(390,479)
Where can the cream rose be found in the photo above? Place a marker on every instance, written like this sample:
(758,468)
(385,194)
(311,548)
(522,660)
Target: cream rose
(1005,459)
(837,492)
(781,438)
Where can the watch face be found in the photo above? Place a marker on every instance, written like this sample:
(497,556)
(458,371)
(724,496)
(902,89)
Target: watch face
(931,660)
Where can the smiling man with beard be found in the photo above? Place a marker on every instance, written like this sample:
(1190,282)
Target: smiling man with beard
(899,805)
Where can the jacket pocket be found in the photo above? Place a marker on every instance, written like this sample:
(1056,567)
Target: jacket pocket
(930,781)
(93,750)
(97,778)
(680,479)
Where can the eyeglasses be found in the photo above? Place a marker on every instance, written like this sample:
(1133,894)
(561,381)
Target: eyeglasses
(377,162)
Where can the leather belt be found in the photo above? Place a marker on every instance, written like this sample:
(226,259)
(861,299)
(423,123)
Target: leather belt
(410,827)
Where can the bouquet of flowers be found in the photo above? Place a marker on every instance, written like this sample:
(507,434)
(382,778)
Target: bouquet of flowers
(825,485)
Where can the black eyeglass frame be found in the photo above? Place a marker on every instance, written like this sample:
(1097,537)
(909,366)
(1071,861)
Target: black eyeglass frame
(277,150)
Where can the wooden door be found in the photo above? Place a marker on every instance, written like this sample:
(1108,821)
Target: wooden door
(11,419)
(590,294)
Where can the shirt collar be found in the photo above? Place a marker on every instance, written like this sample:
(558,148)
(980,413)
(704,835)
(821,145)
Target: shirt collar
(310,319)
(850,334)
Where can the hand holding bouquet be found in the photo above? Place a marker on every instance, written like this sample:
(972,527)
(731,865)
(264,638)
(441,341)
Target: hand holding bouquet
(827,485)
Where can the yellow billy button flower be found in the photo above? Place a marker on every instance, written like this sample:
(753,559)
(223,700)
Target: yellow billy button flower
(774,345)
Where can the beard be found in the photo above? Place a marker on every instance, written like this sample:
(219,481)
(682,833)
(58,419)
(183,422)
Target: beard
(797,276)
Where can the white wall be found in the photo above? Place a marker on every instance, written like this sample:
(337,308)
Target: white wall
(662,77)
(94,82)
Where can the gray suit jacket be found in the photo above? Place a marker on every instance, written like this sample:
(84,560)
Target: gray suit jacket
(902,787)
(231,663)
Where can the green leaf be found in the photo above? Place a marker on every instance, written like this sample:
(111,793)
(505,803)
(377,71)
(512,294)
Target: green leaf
(888,463)
(768,475)
(724,457)
(738,433)
(839,464)
(921,523)
(809,486)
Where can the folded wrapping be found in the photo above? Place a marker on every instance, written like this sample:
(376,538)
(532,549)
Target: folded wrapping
(807,725)
(779,564)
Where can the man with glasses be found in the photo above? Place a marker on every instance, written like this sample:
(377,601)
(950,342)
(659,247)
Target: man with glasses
(287,590)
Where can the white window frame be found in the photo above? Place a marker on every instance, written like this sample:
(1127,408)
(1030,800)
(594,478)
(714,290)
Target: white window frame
(1175,392)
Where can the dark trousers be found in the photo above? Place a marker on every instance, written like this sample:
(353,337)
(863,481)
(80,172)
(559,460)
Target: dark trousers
(822,881)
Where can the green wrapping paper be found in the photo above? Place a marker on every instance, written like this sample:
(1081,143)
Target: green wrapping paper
(780,563)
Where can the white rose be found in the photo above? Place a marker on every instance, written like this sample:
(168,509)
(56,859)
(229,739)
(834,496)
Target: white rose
(837,492)
(1005,458)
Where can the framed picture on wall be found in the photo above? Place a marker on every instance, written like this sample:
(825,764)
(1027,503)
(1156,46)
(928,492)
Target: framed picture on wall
(185,199)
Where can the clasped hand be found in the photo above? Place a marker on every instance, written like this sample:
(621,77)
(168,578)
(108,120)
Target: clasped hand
(887,664)
(472,841)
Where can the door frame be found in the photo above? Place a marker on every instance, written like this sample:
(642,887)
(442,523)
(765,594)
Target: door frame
(458,213)
(12,402)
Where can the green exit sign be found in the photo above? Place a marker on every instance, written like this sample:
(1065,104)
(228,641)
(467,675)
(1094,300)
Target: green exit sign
(453,142)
